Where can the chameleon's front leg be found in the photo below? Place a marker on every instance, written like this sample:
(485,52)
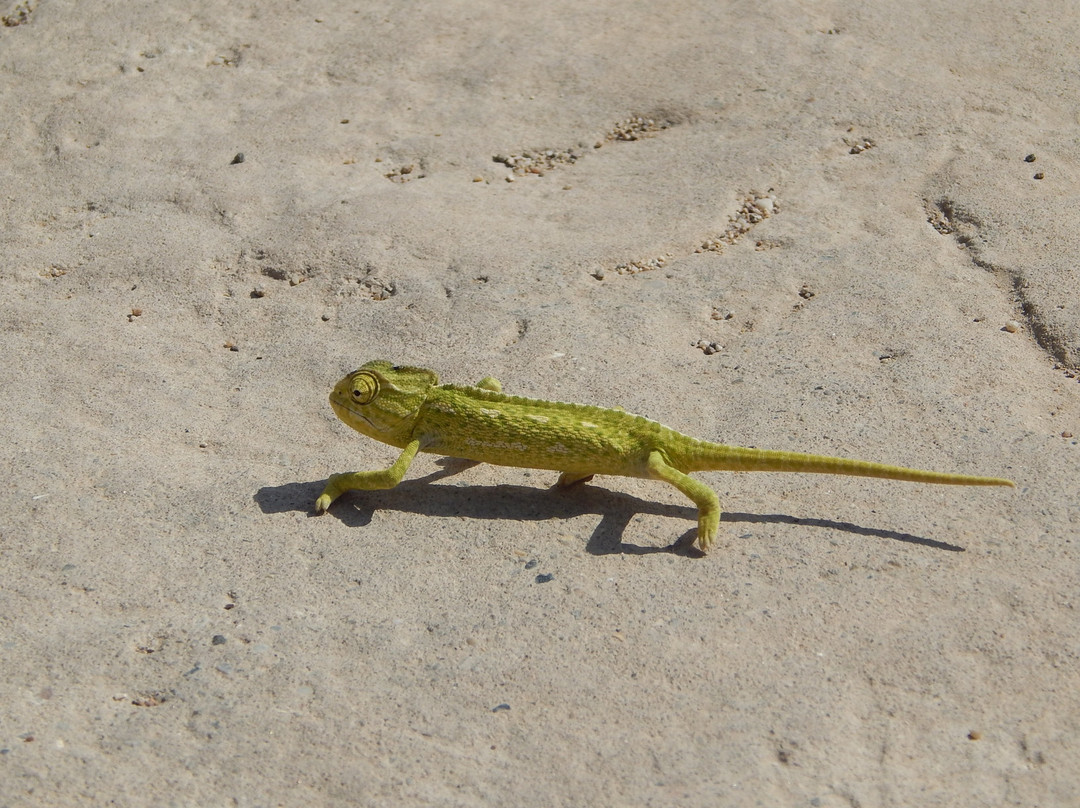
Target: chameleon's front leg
(338,484)
(703,496)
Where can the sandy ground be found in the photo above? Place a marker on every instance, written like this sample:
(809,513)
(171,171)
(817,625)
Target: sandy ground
(788,225)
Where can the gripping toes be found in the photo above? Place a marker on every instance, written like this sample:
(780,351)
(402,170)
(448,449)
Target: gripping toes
(707,527)
(331,491)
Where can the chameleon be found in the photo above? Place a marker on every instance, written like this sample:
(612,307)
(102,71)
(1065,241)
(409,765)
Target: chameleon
(406,407)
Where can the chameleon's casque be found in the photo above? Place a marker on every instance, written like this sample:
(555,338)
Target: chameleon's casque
(406,407)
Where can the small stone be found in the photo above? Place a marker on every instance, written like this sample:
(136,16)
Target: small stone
(239,158)
(1039,176)
(544,578)
(477,179)
(258,291)
(219,639)
(1012,326)
(1030,158)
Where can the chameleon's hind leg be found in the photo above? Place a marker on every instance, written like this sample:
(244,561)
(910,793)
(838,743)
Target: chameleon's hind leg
(703,496)
(566,479)
(338,484)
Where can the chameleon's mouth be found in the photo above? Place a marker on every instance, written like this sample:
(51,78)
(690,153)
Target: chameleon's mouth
(341,407)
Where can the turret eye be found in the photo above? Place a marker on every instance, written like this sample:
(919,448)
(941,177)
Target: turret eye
(365,388)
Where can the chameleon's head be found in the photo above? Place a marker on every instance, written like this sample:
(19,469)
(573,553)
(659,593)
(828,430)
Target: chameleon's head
(382,400)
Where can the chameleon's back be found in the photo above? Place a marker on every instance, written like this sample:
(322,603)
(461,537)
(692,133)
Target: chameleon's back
(490,427)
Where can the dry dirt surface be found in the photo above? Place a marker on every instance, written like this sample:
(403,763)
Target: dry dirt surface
(825,227)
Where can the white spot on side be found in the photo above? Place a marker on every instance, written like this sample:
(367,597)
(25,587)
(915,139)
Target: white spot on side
(442,407)
(490,413)
(540,419)
(590,425)
(497,444)
(558,448)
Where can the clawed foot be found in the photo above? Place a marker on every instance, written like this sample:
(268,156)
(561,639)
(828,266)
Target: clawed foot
(708,527)
(566,479)
(331,491)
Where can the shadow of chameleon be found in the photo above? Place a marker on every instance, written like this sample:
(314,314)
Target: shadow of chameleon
(529,503)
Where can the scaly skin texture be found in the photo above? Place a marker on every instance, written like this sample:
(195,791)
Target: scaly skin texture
(406,407)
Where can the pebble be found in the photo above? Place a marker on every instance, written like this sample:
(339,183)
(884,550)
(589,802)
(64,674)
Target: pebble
(1012,326)
(537,162)
(404,174)
(634,267)
(755,208)
(636,128)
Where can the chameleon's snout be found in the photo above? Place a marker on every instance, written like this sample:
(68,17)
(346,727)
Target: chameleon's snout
(339,396)
(343,395)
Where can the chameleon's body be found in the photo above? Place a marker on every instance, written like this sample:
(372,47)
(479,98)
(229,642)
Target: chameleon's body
(406,407)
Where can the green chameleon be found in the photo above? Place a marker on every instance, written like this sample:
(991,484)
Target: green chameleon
(406,407)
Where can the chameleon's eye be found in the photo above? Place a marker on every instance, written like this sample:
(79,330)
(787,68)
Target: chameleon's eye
(365,388)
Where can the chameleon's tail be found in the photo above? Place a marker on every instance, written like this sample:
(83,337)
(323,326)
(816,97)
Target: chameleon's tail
(717,457)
